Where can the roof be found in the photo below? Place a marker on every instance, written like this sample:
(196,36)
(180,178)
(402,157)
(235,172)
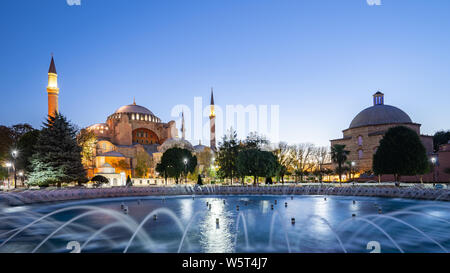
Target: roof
(52,68)
(175,142)
(380,114)
(132,108)
(107,165)
(112,154)
(200,148)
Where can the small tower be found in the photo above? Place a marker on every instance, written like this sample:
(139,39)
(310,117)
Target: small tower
(212,122)
(52,89)
(378,98)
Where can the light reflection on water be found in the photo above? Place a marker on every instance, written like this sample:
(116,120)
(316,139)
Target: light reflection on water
(310,233)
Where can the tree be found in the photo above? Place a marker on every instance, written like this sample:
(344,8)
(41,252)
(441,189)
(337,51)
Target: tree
(143,165)
(339,156)
(121,164)
(255,141)
(6,142)
(283,153)
(129,182)
(205,159)
(256,163)
(9,137)
(26,146)
(99,180)
(400,153)
(227,156)
(172,163)
(87,140)
(4,174)
(57,157)
(321,155)
(301,159)
(439,138)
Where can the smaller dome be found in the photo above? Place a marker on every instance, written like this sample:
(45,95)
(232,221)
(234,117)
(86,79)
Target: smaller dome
(99,126)
(175,143)
(107,165)
(200,148)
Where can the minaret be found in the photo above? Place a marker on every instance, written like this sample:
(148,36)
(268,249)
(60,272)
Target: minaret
(212,122)
(378,98)
(52,89)
(183,128)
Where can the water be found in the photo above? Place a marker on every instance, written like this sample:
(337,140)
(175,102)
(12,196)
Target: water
(187,224)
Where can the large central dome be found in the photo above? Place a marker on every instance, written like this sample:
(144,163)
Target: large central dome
(134,109)
(380,114)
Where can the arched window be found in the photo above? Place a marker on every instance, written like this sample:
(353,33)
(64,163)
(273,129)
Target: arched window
(360,140)
(360,154)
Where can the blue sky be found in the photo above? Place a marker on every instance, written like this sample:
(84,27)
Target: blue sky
(319,60)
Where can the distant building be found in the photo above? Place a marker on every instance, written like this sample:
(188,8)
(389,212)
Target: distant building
(363,136)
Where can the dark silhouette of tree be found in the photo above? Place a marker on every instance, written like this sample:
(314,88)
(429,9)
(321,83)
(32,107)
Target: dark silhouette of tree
(57,157)
(26,146)
(99,180)
(439,138)
(172,163)
(400,153)
(256,163)
(339,156)
(227,155)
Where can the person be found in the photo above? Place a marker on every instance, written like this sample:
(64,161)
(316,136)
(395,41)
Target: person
(199,180)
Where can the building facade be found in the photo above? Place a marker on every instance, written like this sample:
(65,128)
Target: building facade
(132,130)
(363,136)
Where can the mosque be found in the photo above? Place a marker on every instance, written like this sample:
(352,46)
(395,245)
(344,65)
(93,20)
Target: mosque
(363,136)
(132,129)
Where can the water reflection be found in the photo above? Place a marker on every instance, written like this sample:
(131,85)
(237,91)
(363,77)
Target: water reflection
(216,238)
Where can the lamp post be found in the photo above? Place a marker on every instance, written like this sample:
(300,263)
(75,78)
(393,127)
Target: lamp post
(14,154)
(8,165)
(21,177)
(433,161)
(352,167)
(185,170)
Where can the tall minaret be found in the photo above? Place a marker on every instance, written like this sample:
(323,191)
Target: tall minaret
(212,122)
(183,128)
(52,89)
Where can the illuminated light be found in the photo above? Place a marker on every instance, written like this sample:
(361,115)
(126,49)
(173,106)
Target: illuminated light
(8,164)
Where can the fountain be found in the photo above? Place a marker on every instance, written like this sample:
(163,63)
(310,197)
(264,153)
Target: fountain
(146,224)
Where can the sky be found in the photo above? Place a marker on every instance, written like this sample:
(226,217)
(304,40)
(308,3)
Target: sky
(319,61)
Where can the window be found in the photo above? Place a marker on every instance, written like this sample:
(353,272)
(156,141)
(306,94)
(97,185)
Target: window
(360,154)
(360,140)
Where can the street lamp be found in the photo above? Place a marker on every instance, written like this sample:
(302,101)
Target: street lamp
(351,168)
(14,154)
(185,170)
(434,161)
(8,165)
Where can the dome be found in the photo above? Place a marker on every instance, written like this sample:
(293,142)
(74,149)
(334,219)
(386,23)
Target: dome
(133,108)
(380,114)
(200,148)
(176,142)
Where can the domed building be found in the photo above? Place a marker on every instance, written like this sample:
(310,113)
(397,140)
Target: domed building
(363,136)
(129,130)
